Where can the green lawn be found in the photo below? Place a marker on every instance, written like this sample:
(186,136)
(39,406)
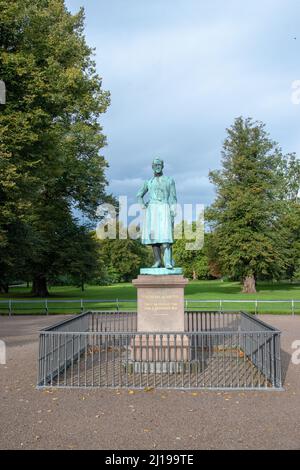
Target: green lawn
(196,290)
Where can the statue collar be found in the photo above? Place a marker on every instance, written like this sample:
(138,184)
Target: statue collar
(157,177)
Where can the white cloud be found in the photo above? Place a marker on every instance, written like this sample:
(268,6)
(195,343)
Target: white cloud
(180,71)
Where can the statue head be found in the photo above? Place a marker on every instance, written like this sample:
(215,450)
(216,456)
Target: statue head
(157,166)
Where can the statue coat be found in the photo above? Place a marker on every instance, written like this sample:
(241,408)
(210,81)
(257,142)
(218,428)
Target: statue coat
(159,215)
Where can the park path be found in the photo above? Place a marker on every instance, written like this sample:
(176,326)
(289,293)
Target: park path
(155,419)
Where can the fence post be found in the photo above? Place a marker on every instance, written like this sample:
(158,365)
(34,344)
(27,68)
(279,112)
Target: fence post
(186,304)
(293,307)
(9,307)
(46,306)
(81,305)
(220,305)
(117,300)
(256,307)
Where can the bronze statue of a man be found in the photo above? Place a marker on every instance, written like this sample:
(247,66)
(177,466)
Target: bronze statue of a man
(160,211)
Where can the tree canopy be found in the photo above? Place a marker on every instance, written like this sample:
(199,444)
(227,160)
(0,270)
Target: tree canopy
(250,202)
(50,135)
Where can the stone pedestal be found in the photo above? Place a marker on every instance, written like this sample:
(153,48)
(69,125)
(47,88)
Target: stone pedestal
(160,309)
(160,303)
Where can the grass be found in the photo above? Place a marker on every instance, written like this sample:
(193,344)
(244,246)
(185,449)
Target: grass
(196,290)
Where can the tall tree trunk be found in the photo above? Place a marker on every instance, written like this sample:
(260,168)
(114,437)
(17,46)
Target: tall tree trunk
(39,286)
(249,285)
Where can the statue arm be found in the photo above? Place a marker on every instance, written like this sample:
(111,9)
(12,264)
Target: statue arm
(173,198)
(141,193)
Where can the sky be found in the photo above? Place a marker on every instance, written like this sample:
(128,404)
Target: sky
(179,73)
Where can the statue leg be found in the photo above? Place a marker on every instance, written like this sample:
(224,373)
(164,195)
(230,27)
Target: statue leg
(157,257)
(172,259)
(167,247)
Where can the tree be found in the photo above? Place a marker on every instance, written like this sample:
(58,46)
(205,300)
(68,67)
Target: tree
(194,262)
(82,255)
(214,267)
(50,133)
(14,253)
(245,217)
(290,222)
(122,258)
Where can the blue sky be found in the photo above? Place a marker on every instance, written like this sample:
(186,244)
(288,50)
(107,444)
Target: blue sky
(180,71)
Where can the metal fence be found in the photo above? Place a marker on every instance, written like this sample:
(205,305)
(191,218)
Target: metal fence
(48,306)
(217,350)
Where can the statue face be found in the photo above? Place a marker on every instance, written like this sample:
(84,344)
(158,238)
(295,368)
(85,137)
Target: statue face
(157,168)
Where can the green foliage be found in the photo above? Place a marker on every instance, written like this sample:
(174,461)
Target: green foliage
(296,273)
(291,226)
(50,135)
(290,220)
(122,259)
(194,262)
(246,215)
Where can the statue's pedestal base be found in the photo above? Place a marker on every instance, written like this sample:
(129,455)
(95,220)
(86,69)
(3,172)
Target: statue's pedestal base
(160,303)
(156,353)
(160,348)
(161,271)
(160,310)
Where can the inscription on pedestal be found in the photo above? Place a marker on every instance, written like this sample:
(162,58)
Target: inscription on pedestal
(160,303)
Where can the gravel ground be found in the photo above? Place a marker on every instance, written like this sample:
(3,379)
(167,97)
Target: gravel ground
(157,419)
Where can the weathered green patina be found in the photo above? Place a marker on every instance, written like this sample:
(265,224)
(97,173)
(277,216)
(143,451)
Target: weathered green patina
(159,214)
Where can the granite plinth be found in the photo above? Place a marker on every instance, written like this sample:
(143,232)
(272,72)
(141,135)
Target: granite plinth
(160,303)
(160,309)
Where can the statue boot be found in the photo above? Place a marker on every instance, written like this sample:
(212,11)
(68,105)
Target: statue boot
(157,258)
(168,256)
